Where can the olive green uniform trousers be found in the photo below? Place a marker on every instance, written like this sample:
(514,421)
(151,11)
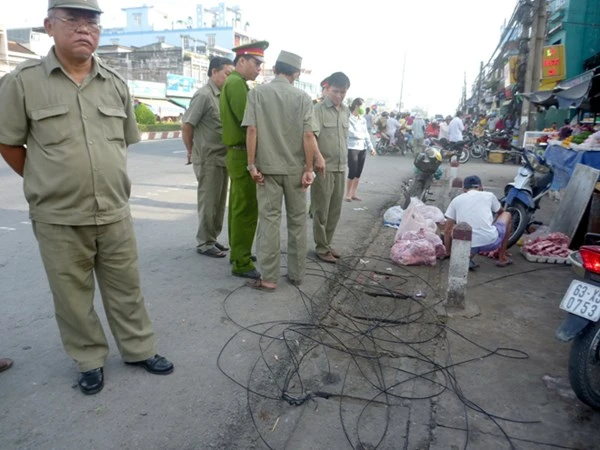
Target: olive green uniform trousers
(242,214)
(326,198)
(212,197)
(270,196)
(71,255)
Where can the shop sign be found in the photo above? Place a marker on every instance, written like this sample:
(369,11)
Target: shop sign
(180,86)
(553,62)
(146,89)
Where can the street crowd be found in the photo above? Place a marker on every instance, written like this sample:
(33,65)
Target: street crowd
(65,125)
(66,122)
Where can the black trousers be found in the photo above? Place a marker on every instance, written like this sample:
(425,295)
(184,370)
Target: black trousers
(356,162)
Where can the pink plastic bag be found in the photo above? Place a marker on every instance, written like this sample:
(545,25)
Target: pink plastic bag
(413,253)
(413,220)
(430,236)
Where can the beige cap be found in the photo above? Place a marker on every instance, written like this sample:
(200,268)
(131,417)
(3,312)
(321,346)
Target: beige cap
(90,5)
(290,59)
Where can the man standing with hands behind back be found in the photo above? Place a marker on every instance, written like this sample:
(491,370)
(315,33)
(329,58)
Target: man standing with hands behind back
(242,215)
(332,118)
(76,118)
(202,136)
(281,147)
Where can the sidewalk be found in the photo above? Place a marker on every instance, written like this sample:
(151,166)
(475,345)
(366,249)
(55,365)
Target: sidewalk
(383,366)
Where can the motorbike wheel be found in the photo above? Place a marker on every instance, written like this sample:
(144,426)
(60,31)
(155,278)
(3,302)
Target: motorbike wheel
(380,148)
(465,154)
(584,366)
(417,189)
(477,151)
(520,220)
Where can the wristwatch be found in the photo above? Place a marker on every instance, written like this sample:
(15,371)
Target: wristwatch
(250,167)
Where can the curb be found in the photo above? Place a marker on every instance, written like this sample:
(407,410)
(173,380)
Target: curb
(160,135)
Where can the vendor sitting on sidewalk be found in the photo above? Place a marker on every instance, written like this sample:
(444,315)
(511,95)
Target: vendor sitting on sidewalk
(477,208)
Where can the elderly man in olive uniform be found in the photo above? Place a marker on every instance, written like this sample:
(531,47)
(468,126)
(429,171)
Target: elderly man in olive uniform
(202,136)
(327,192)
(242,214)
(75,117)
(281,147)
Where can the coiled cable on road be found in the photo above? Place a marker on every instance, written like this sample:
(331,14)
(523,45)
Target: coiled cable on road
(365,345)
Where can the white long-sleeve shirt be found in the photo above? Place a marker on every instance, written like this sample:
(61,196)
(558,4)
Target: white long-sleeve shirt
(455,130)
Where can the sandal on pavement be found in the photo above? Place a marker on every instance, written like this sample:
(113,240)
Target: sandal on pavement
(473,265)
(348,199)
(221,247)
(213,252)
(327,257)
(258,285)
(357,199)
(506,263)
(334,253)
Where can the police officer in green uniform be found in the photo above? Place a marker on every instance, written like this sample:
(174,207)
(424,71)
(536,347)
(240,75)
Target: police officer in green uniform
(281,146)
(75,117)
(202,136)
(327,191)
(242,214)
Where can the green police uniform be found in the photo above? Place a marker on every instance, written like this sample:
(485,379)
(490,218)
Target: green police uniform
(281,114)
(208,158)
(242,213)
(76,184)
(327,192)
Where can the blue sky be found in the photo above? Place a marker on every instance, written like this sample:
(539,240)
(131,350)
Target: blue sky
(442,40)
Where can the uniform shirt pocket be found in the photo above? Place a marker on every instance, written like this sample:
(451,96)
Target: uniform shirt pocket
(51,125)
(113,119)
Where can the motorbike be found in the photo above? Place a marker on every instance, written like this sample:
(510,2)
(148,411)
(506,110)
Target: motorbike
(582,323)
(402,145)
(449,149)
(427,164)
(522,196)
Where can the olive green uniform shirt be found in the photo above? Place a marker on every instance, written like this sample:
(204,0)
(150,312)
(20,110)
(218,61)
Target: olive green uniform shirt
(203,114)
(331,128)
(76,137)
(280,146)
(233,103)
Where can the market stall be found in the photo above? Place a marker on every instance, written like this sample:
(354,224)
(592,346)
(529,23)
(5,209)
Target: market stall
(563,161)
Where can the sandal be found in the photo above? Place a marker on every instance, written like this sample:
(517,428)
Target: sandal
(348,199)
(221,247)
(506,263)
(357,199)
(213,252)
(258,285)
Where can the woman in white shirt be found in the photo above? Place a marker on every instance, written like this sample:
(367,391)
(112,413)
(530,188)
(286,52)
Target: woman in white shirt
(359,141)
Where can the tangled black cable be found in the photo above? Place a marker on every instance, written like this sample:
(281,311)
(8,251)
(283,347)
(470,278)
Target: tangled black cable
(363,336)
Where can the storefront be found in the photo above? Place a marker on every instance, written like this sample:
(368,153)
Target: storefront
(180,89)
(153,95)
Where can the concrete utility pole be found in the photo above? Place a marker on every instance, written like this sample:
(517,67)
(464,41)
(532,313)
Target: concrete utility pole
(402,84)
(537,18)
(477,110)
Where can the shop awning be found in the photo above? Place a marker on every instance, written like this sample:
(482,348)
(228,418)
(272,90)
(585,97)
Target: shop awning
(181,101)
(162,108)
(571,95)
(543,98)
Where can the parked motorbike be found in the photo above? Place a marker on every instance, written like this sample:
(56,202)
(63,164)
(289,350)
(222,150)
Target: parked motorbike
(522,196)
(449,149)
(427,164)
(582,324)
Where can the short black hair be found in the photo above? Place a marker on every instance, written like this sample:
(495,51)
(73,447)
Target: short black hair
(238,57)
(338,79)
(217,63)
(459,113)
(282,68)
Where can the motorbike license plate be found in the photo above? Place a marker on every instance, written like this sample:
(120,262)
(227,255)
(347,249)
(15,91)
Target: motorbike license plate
(582,299)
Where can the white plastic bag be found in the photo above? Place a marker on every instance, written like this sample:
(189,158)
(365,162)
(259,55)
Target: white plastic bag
(393,216)
(413,220)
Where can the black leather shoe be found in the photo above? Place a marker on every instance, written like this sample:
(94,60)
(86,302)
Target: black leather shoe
(253,274)
(158,365)
(92,381)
